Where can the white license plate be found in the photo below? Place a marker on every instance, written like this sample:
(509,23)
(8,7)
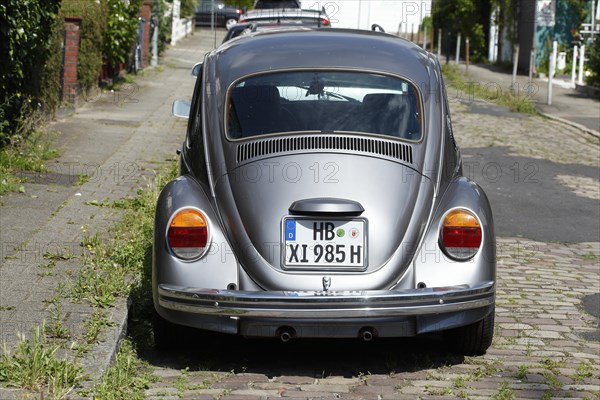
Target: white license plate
(319,242)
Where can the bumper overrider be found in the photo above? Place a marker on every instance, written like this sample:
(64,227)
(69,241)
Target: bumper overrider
(327,304)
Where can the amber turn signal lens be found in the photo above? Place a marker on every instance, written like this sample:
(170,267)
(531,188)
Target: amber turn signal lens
(188,234)
(461,234)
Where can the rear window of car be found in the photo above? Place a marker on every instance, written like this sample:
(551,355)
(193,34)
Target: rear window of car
(263,4)
(323,102)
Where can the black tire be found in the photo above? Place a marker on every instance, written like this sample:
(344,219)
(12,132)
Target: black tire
(229,22)
(471,340)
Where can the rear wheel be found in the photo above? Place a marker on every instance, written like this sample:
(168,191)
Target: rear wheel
(230,22)
(472,339)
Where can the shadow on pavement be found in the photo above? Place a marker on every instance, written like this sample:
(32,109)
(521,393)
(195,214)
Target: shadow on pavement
(317,358)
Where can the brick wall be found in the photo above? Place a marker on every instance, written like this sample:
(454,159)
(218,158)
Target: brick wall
(70,57)
(146,14)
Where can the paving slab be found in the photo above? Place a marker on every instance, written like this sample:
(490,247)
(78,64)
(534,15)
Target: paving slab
(109,148)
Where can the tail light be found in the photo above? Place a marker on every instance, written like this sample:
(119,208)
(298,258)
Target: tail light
(188,234)
(461,234)
(325,21)
(242,20)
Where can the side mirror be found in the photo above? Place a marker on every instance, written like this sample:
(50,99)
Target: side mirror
(181,108)
(196,69)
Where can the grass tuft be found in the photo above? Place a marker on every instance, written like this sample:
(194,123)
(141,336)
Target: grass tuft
(518,103)
(35,366)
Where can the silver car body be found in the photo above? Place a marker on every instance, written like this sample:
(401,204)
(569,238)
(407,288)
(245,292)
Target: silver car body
(398,189)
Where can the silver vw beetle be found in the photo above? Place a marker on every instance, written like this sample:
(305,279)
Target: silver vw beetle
(321,195)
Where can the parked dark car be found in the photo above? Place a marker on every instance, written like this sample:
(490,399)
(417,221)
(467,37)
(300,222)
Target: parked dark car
(224,15)
(321,195)
(247,27)
(267,4)
(309,16)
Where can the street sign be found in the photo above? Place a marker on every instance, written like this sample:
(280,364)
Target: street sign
(545,13)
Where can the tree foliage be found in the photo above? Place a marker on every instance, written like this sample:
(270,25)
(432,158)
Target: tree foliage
(464,17)
(243,4)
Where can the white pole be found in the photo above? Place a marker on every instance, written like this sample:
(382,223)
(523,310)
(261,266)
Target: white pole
(593,17)
(439,43)
(154,60)
(515,64)
(458,48)
(552,70)
(424,36)
(574,67)
(581,59)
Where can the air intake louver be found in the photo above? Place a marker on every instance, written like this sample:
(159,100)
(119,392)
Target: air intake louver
(399,151)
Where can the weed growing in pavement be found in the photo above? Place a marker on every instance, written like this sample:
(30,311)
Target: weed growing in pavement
(552,365)
(34,365)
(127,378)
(585,370)
(522,372)
(552,380)
(62,256)
(92,328)
(24,154)
(82,179)
(518,103)
(485,368)
(56,328)
(504,393)
(547,395)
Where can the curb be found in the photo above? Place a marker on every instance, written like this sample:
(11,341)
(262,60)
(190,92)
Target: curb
(585,129)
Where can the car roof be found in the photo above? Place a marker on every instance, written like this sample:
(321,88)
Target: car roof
(307,47)
(283,13)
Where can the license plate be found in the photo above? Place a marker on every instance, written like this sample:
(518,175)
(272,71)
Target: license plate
(324,243)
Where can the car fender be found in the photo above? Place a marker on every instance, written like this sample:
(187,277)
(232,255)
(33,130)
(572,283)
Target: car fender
(218,268)
(432,267)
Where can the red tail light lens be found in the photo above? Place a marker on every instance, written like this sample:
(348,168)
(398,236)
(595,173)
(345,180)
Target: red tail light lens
(461,234)
(188,234)
(325,21)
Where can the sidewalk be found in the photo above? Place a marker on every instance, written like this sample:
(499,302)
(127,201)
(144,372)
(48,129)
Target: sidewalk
(116,140)
(567,104)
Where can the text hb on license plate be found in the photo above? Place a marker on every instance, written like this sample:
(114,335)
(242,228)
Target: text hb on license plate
(316,242)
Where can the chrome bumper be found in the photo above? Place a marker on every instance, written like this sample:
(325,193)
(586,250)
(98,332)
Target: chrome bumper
(331,304)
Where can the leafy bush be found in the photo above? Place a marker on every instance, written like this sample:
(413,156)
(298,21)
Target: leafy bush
(25,29)
(188,8)
(594,64)
(121,31)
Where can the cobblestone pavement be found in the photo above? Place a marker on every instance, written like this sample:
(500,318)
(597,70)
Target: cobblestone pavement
(546,343)
(545,347)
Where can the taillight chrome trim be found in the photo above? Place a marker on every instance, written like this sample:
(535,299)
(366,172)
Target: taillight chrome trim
(445,249)
(208,235)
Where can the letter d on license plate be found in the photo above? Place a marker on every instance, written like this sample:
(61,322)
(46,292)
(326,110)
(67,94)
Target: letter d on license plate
(317,243)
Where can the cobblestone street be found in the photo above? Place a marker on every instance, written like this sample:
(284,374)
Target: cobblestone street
(547,333)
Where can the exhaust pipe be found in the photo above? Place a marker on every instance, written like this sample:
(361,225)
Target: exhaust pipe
(286,333)
(367,334)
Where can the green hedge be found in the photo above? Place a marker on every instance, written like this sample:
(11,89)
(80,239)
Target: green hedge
(594,63)
(25,31)
(31,39)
